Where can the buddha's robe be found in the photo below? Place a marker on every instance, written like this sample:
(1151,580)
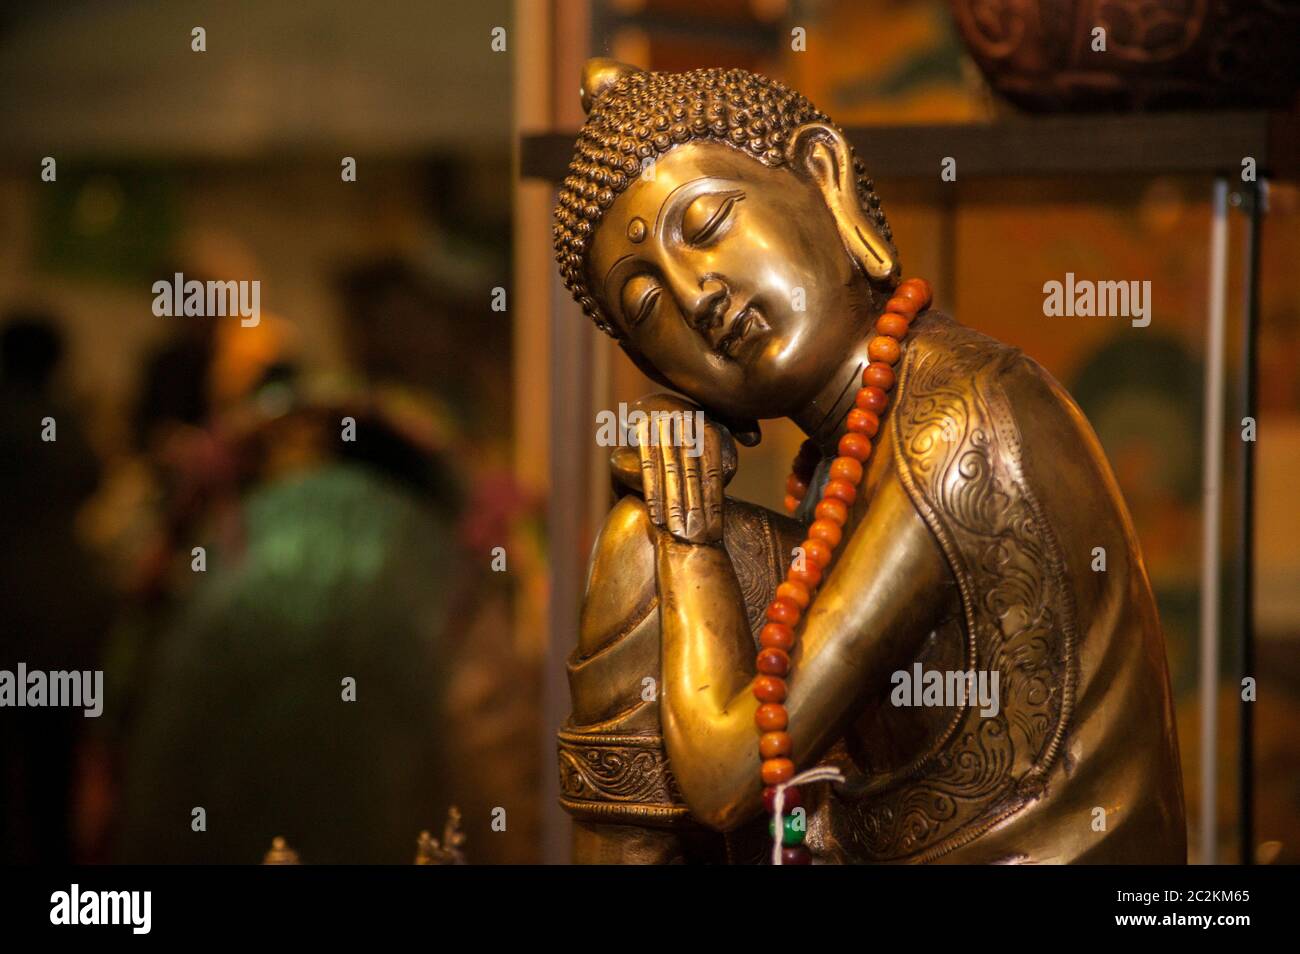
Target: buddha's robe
(1080,761)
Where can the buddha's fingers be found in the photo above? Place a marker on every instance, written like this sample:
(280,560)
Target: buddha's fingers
(674,493)
(651,481)
(711,478)
(689,446)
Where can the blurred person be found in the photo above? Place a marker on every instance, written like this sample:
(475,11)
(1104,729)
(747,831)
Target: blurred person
(315,573)
(174,383)
(415,341)
(309,681)
(53,605)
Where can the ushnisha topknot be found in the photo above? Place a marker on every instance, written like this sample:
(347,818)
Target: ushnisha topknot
(642,116)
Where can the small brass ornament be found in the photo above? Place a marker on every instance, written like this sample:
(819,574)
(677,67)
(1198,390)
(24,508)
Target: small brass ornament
(432,851)
(280,853)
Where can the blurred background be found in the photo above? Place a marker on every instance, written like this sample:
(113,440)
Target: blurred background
(421,301)
(325,559)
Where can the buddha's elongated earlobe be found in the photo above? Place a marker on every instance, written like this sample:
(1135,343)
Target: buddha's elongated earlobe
(744,431)
(820,152)
(598,75)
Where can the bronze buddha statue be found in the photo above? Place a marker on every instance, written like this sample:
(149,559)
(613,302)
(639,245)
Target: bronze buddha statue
(720,228)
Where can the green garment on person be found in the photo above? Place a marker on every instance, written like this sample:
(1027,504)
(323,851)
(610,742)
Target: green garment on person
(342,574)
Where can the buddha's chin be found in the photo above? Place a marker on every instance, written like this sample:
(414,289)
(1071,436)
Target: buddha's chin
(767,399)
(756,383)
(771,385)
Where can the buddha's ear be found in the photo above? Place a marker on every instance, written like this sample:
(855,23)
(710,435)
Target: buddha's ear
(819,152)
(598,75)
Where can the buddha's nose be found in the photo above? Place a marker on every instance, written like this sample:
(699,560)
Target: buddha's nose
(703,302)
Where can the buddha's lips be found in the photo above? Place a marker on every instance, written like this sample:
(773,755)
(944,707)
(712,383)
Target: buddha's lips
(748,319)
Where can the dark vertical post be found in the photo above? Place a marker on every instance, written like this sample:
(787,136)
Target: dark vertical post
(571,340)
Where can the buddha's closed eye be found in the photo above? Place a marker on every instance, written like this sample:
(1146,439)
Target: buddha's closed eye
(706,219)
(640,295)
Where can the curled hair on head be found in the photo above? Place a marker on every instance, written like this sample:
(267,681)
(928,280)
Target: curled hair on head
(644,115)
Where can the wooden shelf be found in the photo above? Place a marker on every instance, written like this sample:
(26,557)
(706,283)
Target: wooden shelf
(1207,143)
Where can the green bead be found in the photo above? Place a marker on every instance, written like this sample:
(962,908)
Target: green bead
(790,835)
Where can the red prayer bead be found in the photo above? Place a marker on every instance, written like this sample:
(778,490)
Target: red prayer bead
(827,531)
(857,446)
(783,611)
(776,771)
(884,348)
(846,468)
(922,288)
(902,306)
(777,635)
(816,551)
(769,689)
(773,744)
(841,490)
(810,574)
(873,400)
(878,375)
(771,717)
(862,420)
(773,662)
(892,325)
(795,592)
(796,855)
(791,503)
(828,508)
(912,292)
(793,799)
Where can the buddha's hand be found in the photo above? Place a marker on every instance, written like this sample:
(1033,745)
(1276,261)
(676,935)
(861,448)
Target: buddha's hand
(680,464)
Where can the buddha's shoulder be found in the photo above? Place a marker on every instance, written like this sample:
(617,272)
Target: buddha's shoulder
(941,335)
(943,354)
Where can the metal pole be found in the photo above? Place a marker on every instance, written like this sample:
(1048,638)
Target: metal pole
(1253,199)
(1212,484)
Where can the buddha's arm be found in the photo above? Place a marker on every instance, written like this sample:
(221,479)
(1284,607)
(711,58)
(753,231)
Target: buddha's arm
(867,620)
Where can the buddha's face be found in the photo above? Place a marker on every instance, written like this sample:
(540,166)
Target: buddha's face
(731,279)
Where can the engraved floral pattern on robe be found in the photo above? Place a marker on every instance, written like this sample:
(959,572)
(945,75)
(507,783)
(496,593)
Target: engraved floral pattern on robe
(616,769)
(958,449)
